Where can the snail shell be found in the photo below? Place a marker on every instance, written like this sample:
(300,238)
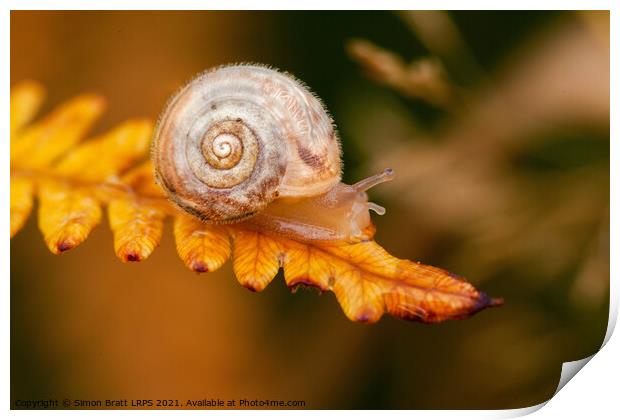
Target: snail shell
(237,137)
(246,142)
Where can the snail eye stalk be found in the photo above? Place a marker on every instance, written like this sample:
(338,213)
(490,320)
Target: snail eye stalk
(374,180)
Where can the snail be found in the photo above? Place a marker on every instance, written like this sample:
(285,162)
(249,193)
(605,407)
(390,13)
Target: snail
(250,144)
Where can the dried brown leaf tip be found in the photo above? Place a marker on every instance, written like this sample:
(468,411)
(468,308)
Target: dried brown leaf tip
(74,179)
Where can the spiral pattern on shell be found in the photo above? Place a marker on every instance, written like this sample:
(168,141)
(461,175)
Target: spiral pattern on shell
(237,137)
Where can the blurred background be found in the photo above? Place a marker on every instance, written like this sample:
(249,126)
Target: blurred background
(497,125)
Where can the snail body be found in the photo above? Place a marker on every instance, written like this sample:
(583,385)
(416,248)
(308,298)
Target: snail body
(248,143)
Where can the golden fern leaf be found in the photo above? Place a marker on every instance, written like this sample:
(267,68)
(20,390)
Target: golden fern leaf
(73,180)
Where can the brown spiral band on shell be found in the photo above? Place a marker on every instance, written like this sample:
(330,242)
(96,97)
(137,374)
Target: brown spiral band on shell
(225,155)
(222,145)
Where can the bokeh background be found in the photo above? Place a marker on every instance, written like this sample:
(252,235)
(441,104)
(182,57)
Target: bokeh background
(497,124)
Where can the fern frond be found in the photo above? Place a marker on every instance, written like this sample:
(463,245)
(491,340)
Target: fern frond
(74,179)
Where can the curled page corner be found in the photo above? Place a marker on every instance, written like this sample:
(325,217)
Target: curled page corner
(570,369)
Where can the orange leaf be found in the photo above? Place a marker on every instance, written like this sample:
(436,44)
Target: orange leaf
(141,181)
(26,98)
(256,258)
(66,216)
(108,155)
(21,202)
(202,247)
(39,145)
(137,229)
(366,279)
